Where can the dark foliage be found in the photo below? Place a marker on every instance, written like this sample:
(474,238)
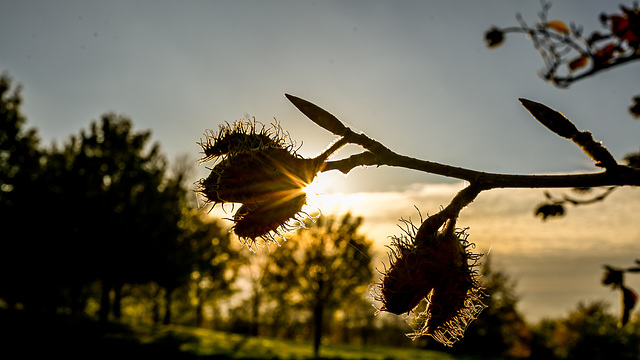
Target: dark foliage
(101,209)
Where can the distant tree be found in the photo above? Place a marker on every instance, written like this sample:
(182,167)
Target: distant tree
(248,315)
(212,259)
(20,168)
(107,210)
(19,146)
(116,196)
(501,330)
(354,323)
(588,332)
(321,268)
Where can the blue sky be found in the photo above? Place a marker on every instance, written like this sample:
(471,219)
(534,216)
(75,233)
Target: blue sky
(415,75)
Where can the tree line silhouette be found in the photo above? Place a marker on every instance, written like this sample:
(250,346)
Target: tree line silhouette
(102,224)
(103,209)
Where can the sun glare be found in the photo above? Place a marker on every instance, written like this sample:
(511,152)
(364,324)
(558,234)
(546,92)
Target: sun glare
(314,191)
(314,188)
(321,194)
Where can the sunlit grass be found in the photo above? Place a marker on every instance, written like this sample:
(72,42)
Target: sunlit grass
(34,333)
(204,342)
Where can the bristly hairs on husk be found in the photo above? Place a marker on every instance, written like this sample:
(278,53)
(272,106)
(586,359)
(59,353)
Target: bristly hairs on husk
(242,136)
(432,265)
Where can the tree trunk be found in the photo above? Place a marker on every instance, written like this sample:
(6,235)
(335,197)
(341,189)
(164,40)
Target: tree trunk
(117,302)
(167,306)
(77,300)
(156,306)
(105,303)
(198,307)
(198,312)
(318,311)
(255,312)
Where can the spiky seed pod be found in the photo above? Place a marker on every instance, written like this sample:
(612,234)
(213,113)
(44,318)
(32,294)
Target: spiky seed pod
(241,136)
(403,288)
(268,220)
(257,176)
(432,264)
(260,170)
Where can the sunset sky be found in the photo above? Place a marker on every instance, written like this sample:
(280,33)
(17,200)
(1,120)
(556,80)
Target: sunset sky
(415,75)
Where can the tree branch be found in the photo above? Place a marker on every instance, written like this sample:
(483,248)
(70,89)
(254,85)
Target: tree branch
(560,45)
(377,155)
(623,176)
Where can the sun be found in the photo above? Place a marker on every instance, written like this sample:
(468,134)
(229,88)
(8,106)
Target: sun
(316,190)
(323,193)
(316,187)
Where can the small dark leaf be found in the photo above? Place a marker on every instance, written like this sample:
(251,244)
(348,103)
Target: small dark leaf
(634,109)
(578,63)
(629,299)
(558,26)
(604,18)
(612,276)
(549,210)
(620,28)
(494,37)
(595,37)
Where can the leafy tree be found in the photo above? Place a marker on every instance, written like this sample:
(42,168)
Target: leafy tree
(323,267)
(500,330)
(112,213)
(20,165)
(212,261)
(588,332)
(117,198)
(247,316)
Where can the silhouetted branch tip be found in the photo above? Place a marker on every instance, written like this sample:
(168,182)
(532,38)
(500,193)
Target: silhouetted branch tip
(321,117)
(562,126)
(550,118)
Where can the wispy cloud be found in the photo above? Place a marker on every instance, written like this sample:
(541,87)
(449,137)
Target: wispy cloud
(504,218)
(556,263)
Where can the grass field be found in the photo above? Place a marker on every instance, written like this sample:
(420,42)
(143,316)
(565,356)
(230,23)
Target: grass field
(206,343)
(31,336)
